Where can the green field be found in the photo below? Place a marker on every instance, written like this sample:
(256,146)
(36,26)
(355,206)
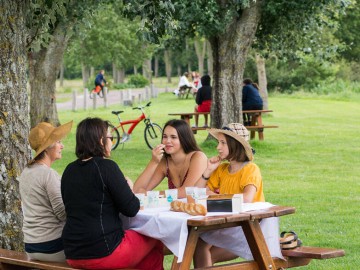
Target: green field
(310,162)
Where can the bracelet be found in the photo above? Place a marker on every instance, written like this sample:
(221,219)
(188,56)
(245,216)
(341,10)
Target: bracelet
(205,178)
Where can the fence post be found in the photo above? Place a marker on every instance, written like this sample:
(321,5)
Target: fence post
(74,100)
(105,92)
(147,96)
(94,101)
(139,97)
(85,97)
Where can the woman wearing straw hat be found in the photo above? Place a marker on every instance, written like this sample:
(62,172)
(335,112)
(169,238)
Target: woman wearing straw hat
(238,175)
(95,192)
(42,205)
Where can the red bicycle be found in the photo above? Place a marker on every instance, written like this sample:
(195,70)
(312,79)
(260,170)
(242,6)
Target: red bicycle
(152,131)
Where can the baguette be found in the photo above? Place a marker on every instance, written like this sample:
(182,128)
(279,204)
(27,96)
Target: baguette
(194,209)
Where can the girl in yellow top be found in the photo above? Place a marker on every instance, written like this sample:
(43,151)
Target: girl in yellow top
(238,175)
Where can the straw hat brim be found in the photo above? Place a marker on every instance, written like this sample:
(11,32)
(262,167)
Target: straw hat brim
(55,135)
(215,133)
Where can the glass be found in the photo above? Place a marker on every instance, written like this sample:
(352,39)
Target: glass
(141,197)
(171,195)
(199,193)
(153,198)
(190,194)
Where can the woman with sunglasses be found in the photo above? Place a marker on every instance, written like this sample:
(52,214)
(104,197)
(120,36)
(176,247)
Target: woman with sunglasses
(95,192)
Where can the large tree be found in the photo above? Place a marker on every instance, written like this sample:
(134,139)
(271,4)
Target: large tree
(14,118)
(20,25)
(50,42)
(231,27)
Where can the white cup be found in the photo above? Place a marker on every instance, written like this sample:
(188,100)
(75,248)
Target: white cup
(190,194)
(199,193)
(141,197)
(153,198)
(171,195)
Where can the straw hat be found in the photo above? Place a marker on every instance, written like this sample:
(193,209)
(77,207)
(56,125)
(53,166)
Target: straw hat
(44,134)
(238,132)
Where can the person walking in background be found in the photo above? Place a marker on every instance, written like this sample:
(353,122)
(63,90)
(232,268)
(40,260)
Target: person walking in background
(203,99)
(238,174)
(39,185)
(95,192)
(251,99)
(178,158)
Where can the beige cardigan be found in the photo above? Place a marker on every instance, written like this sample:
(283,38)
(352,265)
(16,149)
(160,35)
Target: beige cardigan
(42,205)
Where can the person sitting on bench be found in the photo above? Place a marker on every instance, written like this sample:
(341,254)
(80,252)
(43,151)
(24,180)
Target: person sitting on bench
(42,205)
(251,99)
(203,99)
(185,84)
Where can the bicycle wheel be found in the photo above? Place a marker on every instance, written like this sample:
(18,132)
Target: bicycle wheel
(116,136)
(152,135)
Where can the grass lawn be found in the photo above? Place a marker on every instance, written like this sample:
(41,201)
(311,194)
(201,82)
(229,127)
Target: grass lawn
(311,162)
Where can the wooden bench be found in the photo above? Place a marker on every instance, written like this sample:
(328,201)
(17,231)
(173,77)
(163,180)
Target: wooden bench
(302,256)
(15,260)
(256,124)
(184,91)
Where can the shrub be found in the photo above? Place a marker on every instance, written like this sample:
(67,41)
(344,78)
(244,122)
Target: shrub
(138,81)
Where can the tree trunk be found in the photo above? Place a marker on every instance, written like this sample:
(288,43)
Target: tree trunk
(61,77)
(156,67)
(147,71)
(43,69)
(229,68)
(14,119)
(210,60)
(120,75)
(168,68)
(200,49)
(85,72)
(135,70)
(260,65)
(115,78)
(179,71)
(187,52)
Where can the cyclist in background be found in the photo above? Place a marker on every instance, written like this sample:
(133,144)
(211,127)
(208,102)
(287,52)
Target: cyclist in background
(100,81)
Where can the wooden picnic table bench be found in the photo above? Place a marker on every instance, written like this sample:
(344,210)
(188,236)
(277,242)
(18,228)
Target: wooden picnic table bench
(185,91)
(256,124)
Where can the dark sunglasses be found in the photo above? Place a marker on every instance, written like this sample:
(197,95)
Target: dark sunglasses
(110,137)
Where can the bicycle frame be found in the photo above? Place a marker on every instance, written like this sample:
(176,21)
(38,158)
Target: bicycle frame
(133,122)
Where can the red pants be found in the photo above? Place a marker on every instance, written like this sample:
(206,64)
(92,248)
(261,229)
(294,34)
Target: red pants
(97,89)
(204,106)
(135,251)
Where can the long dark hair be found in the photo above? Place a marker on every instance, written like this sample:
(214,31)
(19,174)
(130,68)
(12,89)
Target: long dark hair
(236,150)
(89,133)
(186,136)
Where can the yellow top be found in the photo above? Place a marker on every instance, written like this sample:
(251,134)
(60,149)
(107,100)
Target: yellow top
(233,183)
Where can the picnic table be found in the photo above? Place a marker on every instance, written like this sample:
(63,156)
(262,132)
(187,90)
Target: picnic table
(180,233)
(256,123)
(255,230)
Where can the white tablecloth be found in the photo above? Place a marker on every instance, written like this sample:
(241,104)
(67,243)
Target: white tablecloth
(171,228)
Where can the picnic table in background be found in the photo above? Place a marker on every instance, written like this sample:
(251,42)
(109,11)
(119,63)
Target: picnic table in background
(256,124)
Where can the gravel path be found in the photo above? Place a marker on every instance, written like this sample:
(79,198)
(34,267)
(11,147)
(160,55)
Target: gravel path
(113,97)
